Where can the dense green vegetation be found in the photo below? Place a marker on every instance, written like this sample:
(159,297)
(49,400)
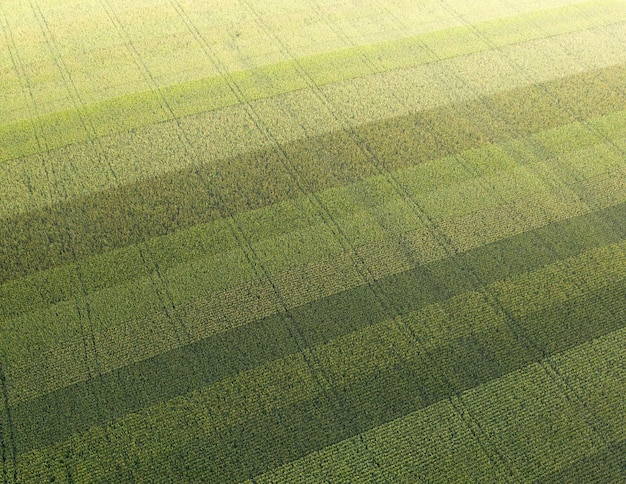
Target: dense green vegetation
(312,241)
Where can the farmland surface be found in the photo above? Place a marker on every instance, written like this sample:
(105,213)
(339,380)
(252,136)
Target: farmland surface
(312,241)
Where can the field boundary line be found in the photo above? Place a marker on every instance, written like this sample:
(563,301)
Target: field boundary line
(490,450)
(25,85)
(491,298)
(240,237)
(159,284)
(459,406)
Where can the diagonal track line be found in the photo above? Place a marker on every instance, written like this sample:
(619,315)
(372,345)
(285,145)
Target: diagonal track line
(322,210)
(25,83)
(321,378)
(591,419)
(387,71)
(159,284)
(426,220)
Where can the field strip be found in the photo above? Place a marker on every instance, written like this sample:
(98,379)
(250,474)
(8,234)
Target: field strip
(599,466)
(255,302)
(35,373)
(597,376)
(574,137)
(436,184)
(312,240)
(603,189)
(27,187)
(294,288)
(99,223)
(141,108)
(261,401)
(435,444)
(102,68)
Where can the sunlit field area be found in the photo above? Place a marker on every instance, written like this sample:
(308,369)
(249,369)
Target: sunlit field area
(312,241)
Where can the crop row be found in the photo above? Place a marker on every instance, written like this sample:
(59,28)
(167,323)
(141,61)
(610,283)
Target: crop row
(436,443)
(81,170)
(163,58)
(157,56)
(118,305)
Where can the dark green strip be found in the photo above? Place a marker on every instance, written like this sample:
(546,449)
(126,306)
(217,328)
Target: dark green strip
(55,416)
(7,445)
(608,465)
(560,328)
(133,213)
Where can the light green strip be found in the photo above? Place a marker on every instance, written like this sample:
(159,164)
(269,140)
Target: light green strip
(143,108)
(102,66)
(36,181)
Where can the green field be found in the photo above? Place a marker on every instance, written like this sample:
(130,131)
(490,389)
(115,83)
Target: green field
(312,241)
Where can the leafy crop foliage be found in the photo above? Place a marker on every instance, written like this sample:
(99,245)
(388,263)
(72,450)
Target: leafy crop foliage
(310,242)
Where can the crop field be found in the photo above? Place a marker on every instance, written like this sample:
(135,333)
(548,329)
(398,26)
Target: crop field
(336,241)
